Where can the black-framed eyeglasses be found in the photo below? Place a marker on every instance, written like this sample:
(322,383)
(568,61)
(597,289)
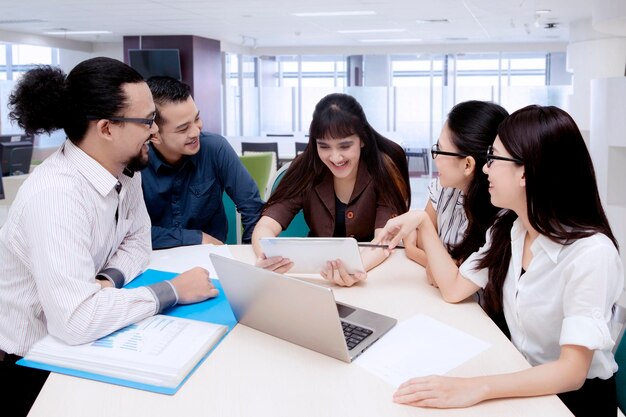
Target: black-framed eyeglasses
(434,151)
(491,157)
(147,122)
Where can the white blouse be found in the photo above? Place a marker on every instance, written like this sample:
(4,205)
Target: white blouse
(566,296)
(451,219)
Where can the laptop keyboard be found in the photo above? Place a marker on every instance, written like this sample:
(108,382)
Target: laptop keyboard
(354,334)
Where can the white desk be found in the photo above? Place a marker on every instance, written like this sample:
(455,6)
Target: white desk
(254,374)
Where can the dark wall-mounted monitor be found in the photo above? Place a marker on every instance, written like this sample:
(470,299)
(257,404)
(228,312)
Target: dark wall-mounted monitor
(16,138)
(15,157)
(151,62)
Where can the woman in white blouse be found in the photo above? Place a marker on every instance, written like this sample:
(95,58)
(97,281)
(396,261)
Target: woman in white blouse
(458,204)
(550,263)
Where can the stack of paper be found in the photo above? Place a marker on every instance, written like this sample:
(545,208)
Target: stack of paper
(185,335)
(159,350)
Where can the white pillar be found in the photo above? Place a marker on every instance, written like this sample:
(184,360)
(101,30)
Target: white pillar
(602,63)
(608,150)
(591,55)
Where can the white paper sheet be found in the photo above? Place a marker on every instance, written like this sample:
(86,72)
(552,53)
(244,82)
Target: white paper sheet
(419,346)
(183,258)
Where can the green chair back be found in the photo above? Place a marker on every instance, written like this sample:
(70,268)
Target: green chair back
(260,166)
(298,226)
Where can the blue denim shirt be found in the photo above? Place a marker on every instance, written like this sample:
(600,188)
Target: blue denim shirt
(185,200)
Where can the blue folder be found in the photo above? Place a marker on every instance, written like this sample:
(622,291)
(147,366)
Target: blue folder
(215,310)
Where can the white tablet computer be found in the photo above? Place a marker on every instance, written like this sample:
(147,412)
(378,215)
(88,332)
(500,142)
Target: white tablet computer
(310,254)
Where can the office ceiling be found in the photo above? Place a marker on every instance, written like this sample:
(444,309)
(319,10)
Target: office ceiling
(271,23)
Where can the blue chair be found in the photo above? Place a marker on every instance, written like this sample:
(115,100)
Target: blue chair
(234,224)
(619,316)
(298,226)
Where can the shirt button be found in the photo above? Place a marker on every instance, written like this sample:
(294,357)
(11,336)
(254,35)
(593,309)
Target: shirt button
(350,214)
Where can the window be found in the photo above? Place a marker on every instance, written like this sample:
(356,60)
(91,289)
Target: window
(411,71)
(15,60)
(421,90)
(312,71)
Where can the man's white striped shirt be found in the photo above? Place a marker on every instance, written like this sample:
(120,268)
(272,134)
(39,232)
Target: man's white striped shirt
(60,233)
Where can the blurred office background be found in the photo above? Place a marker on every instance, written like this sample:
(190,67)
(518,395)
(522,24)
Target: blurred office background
(257,68)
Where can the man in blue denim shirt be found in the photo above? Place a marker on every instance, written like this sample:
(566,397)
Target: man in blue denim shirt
(188,173)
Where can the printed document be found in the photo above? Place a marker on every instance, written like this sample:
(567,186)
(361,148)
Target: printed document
(159,350)
(419,346)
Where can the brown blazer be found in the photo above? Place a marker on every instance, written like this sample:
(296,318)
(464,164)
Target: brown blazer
(364,213)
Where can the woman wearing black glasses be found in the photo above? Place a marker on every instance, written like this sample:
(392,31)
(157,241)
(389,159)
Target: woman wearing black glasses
(458,204)
(550,264)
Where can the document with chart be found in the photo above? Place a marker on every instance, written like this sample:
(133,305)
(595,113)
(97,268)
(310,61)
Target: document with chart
(158,351)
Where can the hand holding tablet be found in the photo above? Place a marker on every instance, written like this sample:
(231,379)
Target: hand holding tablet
(310,255)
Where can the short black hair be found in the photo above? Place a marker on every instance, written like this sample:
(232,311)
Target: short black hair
(167,90)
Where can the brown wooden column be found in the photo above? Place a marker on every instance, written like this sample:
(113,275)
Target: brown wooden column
(201,68)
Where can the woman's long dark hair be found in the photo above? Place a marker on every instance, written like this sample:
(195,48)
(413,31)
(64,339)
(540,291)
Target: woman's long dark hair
(474,126)
(562,197)
(338,116)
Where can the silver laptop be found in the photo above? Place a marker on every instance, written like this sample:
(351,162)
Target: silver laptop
(298,311)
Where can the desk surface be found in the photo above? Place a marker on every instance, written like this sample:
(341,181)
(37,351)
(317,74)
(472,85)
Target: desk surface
(251,373)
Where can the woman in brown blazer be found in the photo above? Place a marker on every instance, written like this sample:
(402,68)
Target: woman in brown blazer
(349,181)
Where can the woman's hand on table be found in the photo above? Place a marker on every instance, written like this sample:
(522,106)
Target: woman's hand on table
(440,392)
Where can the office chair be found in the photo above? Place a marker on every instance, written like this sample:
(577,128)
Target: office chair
(247,147)
(300,147)
(619,318)
(261,167)
(417,160)
(20,160)
(279,135)
(298,226)
(233,237)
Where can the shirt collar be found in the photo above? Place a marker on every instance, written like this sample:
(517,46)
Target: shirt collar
(156,160)
(326,189)
(90,169)
(542,243)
